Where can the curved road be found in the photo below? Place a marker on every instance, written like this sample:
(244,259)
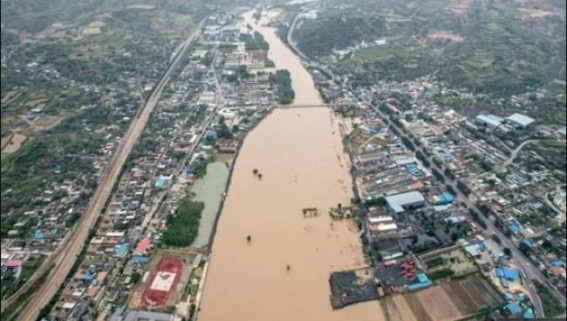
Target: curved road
(65,261)
(515,153)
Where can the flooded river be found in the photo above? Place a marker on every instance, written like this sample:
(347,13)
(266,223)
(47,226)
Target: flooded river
(282,273)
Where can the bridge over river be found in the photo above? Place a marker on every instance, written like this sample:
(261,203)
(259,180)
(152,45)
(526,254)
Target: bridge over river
(304,106)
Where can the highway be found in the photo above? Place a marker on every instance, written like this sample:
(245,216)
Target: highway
(69,254)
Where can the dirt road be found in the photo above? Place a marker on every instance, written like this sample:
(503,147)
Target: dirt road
(68,256)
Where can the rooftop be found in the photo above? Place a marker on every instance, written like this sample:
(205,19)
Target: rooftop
(491,120)
(396,202)
(147,316)
(520,119)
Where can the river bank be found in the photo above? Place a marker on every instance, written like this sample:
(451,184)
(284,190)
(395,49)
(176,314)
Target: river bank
(269,262)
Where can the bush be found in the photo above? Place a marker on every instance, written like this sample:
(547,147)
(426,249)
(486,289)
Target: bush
(436,261)
(441,274)
(552,307)
(463,188)
(183,226)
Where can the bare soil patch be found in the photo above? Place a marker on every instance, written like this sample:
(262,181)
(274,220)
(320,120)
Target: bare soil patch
(439,305)
(141,7)
(417,308)
(10,97)
(403,308)
(391,308)
(529,14)
(459,6)
(47,121)
(36,102)
(13,143)
(445,35)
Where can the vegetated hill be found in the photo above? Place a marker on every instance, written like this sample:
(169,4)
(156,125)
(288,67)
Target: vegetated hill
(499,47)
(335,32)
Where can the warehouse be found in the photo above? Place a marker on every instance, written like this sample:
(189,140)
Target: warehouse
(519,121)
(405,201)
(489,121)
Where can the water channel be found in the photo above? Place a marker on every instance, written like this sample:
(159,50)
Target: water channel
(282,272)
(209,190)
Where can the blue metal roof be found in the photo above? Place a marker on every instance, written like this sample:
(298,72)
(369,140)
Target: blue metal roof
(447,197)
(38,235)
(507,273)
(529,314)
(536,205)
(514,228)
(141,259)
(89,276)
(528,243)
(160,182)
(422,278)
(557,262)
(514,308)
(120,249)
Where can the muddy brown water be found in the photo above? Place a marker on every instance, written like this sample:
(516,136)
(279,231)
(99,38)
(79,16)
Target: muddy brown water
(299,154)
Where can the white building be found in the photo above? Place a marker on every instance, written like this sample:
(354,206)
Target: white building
(519,121)
(489,121)
(405,201)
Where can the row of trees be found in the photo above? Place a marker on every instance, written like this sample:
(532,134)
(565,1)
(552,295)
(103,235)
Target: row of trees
(423,159)
(477,218)
(408,143)
(254,42)
(282,80)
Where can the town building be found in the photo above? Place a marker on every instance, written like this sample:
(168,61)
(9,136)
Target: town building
(405,201)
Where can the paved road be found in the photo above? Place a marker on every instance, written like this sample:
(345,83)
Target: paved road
(72,250)
(551,205)
(530,272)
(290,39)
(515,153)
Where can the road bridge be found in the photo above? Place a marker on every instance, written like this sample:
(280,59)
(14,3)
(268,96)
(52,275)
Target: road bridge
(303,106)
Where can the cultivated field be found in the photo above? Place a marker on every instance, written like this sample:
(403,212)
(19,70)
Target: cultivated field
(449,301)
(47,121)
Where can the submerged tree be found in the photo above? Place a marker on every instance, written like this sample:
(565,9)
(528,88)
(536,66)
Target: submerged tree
(249,239)
(259,176)
(255,171)
(288,268)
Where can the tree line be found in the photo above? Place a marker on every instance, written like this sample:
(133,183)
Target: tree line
(282,80)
